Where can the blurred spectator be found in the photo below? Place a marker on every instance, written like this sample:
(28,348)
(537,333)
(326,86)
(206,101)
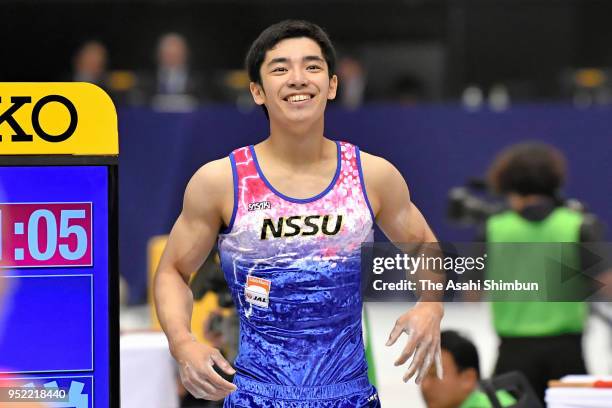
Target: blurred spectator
(172,70)
(543,340)
(174,87)
(459,387)
(587,86)
(352,82)
(89,64)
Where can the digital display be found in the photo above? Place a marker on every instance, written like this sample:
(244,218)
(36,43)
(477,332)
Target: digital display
(54,282)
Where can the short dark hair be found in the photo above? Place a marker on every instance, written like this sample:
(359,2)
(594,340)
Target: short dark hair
(528,168)
(282,31)
(463,350)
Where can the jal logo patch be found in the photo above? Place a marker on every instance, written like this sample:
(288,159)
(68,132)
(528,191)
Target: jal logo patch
(257,291)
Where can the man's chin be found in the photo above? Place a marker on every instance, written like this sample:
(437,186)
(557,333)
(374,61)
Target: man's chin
(299,117)
(303,115)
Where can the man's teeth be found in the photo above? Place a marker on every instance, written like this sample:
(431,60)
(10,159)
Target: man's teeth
(298,98)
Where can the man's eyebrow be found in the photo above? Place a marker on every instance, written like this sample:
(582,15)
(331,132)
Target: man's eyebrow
(279,60)
(313,58)
(283,60)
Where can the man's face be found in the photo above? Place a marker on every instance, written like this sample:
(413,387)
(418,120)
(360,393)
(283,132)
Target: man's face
(453,389)
(91,60)
(172,51)
(295,81)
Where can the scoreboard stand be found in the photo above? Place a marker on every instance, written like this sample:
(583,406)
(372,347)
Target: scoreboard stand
(59,270)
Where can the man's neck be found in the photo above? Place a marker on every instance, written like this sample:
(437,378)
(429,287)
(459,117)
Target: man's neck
(519,203)
(299,145)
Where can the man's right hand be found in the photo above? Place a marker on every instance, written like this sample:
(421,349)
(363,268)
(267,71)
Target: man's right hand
(198,376)
(192,237)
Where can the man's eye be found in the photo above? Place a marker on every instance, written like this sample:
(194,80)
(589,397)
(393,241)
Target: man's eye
(279,69)
(313,67)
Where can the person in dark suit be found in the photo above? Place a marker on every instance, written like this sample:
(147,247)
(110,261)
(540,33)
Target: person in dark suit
(89,64)
(174,85)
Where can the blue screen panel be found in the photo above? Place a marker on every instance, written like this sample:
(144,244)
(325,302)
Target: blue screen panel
(54,319)
(52,315)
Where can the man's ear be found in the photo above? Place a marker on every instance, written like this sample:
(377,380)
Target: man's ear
(469,379)
(258,93)
(333,87)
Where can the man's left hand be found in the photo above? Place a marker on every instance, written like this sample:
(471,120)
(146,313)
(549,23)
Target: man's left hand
(422,325)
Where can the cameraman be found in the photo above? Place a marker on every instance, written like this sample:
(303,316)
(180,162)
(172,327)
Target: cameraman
(543,340)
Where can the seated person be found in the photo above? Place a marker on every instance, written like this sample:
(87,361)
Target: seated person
(459,388)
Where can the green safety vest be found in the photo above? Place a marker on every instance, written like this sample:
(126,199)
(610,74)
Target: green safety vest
(533,318)
(479,399)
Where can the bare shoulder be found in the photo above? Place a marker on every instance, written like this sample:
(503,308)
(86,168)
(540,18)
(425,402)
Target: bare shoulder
(378,171)
(383,181)
(215,174)
(211,186)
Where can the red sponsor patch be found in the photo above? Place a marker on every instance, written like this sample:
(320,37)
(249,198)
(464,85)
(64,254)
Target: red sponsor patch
(257,291)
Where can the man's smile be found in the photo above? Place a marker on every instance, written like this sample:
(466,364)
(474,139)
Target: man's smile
(300,98)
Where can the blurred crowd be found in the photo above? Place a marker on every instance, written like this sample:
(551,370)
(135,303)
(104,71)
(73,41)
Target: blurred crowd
(172,85)
(175,85)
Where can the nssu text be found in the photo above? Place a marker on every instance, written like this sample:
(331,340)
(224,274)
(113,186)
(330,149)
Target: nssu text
(301,225)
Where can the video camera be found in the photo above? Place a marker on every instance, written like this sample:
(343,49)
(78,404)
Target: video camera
(210,278)
(473,203)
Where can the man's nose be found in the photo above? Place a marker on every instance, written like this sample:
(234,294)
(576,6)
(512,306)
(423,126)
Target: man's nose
(297,79)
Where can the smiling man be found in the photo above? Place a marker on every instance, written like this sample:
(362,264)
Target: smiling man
(290,214)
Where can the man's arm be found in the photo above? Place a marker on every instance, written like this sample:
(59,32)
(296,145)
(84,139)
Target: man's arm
(189,243)
(402,222)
